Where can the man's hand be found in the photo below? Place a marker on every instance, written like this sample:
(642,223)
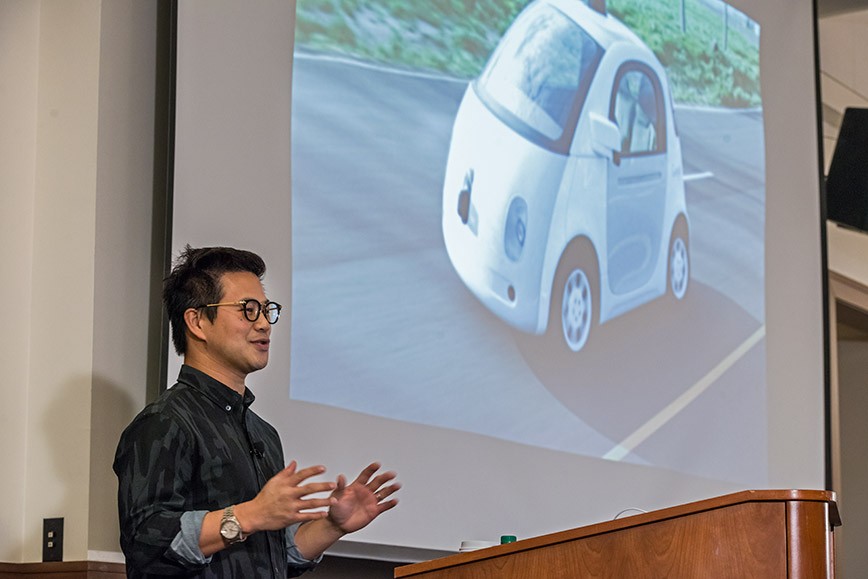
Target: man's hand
(284,500)
(355,505)
(352,507)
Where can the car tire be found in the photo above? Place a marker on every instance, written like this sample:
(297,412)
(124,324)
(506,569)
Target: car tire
(574,309)
(678,267)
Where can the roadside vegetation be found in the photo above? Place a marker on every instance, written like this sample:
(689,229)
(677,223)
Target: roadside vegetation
(711,53)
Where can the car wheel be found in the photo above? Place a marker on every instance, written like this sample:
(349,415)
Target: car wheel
(574,307)
(679,261)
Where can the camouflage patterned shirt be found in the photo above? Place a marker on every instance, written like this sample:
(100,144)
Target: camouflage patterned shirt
(198,447)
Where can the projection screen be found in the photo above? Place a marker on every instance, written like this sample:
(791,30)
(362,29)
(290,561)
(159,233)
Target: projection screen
(547,260)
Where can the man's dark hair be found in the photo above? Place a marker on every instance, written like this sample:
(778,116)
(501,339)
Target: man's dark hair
(195,281)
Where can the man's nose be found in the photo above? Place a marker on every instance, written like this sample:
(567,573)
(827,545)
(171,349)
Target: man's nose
(261,323)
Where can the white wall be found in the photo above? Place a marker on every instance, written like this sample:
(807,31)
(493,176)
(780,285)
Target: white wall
(123,246)
(19,26)
(50,347)
(57,433)
(77,187)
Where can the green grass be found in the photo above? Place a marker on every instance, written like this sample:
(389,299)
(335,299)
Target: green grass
(701,69)
(455,37)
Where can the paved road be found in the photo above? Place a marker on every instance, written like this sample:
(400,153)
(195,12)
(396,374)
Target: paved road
(383,325)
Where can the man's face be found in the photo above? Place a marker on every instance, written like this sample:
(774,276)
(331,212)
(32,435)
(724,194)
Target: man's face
(234,344)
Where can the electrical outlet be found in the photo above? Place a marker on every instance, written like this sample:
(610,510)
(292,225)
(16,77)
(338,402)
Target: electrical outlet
(52,539)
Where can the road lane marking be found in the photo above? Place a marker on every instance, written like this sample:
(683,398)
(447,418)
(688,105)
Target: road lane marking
(628,444)
(697,176)
(379,67)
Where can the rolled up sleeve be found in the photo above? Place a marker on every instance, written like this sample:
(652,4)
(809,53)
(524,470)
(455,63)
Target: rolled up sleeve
(294,557)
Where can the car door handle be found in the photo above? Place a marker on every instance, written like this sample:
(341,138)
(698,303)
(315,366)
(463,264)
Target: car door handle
(637,179)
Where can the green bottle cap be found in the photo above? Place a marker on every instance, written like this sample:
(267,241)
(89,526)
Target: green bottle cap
(504,539)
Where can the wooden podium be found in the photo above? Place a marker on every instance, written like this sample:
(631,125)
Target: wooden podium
(746,535)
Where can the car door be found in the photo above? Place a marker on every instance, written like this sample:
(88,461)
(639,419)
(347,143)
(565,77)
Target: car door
(636,190)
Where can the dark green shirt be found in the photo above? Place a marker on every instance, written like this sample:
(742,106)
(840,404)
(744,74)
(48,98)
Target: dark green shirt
(197,448)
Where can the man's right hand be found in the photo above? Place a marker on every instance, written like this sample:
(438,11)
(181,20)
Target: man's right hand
(281,502)
(285,499)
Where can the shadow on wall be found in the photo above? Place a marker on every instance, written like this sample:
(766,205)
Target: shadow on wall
(111,409)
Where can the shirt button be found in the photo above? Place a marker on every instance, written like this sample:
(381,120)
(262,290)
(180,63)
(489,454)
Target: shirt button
(228,408)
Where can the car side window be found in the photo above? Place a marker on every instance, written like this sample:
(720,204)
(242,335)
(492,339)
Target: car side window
(637,110)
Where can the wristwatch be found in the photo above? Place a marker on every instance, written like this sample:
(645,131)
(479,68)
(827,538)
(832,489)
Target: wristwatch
(230,528)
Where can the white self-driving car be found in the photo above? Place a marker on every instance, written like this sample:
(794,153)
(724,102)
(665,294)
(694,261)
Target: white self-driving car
(563,201)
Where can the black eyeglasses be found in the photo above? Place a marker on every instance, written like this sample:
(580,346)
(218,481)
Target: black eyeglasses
(252,308)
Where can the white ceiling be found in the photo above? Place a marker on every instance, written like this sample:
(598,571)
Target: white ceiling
(843,39)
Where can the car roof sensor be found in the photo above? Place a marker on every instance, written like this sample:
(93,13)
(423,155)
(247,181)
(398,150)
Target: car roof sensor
(598,5)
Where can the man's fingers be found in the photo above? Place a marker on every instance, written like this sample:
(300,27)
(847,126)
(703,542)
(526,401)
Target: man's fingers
(296,476)
(305,516)
(314,488)
(341,482)
(390,504)
(380,480)
(367,473)
(384,492)
(307,505)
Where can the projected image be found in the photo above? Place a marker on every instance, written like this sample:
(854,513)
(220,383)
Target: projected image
(541,222)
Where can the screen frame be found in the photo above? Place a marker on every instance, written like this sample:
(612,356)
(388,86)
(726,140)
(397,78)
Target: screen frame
(163,223)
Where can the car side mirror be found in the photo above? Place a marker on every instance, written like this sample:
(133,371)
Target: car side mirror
(605,138)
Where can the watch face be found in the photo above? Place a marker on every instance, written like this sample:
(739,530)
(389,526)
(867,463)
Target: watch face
(230,530)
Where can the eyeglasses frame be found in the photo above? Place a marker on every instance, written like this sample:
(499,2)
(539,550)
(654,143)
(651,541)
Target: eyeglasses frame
(243,304)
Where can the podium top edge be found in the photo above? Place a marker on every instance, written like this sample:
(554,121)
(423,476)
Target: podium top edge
(723,501)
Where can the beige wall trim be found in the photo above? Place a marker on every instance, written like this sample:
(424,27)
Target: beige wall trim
(853,293)
(849,291)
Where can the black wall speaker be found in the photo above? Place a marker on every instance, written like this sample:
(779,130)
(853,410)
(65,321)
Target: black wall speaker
(847,182)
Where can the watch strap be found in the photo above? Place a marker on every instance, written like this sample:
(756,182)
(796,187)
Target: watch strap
(229,520)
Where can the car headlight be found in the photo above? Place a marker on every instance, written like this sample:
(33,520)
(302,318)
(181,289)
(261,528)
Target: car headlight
(515,231)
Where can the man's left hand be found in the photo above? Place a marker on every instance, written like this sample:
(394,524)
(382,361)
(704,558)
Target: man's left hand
(363,500)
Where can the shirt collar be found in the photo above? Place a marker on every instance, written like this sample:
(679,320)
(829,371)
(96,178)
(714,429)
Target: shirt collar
(219,393)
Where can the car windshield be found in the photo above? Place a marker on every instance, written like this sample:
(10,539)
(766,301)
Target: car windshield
(540,71)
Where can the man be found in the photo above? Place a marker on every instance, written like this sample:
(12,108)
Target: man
(203,491)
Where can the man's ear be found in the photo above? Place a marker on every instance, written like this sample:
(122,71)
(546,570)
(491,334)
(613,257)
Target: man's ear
(194,320)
